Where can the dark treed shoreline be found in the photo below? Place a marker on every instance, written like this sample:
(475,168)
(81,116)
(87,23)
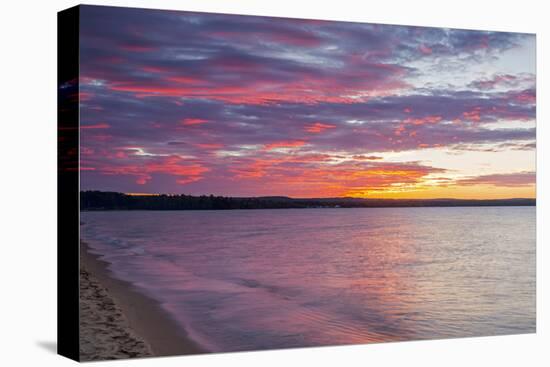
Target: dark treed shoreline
(100,200)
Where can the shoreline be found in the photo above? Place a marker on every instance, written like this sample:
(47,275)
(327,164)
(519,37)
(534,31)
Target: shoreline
(141,318)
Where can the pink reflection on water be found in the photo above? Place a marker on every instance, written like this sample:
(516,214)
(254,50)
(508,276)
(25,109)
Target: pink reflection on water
(242,280)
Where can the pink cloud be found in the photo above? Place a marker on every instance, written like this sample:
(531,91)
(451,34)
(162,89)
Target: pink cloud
(184,171)
(193,121)
(425,49)
(473,115)
(101,125)
(502,179)
(432,119)
(318,127)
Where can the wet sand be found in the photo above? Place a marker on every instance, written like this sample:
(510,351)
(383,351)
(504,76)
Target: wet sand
(117,321)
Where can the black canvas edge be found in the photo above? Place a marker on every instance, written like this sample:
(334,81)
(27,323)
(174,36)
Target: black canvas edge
(68,261)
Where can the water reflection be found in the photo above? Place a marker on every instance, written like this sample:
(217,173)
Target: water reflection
(241,280)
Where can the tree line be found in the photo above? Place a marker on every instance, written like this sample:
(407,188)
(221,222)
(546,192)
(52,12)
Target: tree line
(101,200)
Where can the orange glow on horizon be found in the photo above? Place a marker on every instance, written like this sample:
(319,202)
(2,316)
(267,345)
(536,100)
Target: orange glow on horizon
(469,192)
(472,192)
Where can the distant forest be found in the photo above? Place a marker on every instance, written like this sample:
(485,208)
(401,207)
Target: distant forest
(100,200)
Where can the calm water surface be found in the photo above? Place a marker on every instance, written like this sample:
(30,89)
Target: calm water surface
(257,279)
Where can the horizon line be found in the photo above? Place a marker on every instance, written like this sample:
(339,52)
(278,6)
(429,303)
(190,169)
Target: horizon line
(309,198)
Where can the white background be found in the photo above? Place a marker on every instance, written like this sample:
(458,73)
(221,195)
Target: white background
(28,182)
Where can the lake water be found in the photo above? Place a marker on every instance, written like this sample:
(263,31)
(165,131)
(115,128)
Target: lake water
(262,279)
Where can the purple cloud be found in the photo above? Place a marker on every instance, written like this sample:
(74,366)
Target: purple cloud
(503,179)
(182,101)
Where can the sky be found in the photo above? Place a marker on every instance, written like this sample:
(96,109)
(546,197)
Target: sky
(197,103)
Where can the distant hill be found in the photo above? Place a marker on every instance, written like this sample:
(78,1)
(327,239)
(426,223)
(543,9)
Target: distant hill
(100,200)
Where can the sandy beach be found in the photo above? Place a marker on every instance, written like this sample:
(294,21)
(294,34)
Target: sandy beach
(117,321)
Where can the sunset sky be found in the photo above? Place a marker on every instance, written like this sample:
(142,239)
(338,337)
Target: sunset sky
(196,103)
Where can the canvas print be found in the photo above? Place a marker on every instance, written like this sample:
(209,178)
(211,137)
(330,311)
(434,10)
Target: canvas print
(256,183)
